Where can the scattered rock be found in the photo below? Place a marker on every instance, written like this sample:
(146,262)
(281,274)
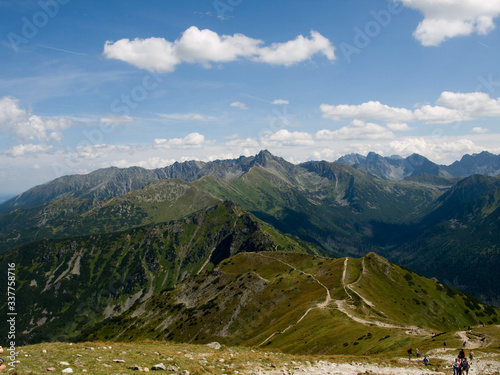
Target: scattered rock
(44,351)
(51,369)
(135,368)
(184,372)
(159,366)
(214,345)
(118,361)
(172,368)
(68,370)
(64,363)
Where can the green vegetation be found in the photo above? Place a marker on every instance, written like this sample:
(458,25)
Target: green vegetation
(279,300)
(68,285)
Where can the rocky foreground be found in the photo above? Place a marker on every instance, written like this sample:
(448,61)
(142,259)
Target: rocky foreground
(130,358)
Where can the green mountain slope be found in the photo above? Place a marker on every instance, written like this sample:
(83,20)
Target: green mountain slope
(301,303)
(67,285)
(330,204)
(458,241)
(157,202)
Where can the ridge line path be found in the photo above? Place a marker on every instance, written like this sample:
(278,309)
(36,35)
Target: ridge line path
(321,305)
(342,306)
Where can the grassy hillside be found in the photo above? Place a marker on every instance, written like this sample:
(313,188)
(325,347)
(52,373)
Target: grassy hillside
(67,285)
(300,303)
(157,202)
(458,241)
(333,204)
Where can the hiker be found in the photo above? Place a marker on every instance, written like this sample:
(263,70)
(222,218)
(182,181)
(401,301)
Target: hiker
(426,360)
(465,367)
(459,366)
(455,364)
(409,354)
(461,355)
(417,353)
(471,355)
(444,345)
(465,342)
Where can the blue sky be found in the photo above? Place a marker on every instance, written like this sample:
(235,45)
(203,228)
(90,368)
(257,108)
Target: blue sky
(87,84)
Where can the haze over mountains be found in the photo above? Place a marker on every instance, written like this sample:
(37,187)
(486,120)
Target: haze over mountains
(125,240)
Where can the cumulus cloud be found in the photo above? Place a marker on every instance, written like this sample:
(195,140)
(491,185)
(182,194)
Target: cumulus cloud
(357,130)
(451,107)
(398,126)
(280,101)
(475,104)
(192,140)
(206,47)
(297,50)
(239,105)
(480,130)
(29,127)
(445,19)
(287,138)
(27,149)
(372,110)
(436,151)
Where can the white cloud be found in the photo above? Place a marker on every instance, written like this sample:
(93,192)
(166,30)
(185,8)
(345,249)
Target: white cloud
(480,130)
(192,140)
(451,107)
(475,104)
(239,105)
(398,126)
(357,130)
(280,101)
(372,110)
(435,150)
(445,19)
(185,116)
(294,51)
(149,163)
(29,127)
(206,47)
(27,149)
(153,54)
(287,138)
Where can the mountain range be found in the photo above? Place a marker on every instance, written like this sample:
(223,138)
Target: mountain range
(94,252)
(397,168)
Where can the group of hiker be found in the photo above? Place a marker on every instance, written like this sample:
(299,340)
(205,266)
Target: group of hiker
(417,355)
(460,364)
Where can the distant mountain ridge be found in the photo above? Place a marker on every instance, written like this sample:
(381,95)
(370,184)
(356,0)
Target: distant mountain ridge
(110,182)
(398,168)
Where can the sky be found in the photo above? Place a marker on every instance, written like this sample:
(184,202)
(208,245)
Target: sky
(92,84)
